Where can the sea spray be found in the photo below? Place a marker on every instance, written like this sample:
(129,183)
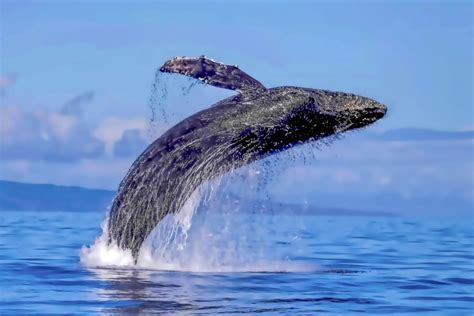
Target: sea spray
(103,254)
(225,226)
(215,231)
(170,235)
(161,250)
(157,96)
(167,94)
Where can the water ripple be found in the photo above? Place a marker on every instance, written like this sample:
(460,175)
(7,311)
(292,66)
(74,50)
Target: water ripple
(361,265)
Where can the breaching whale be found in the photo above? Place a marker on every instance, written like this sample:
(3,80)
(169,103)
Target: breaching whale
(251,125)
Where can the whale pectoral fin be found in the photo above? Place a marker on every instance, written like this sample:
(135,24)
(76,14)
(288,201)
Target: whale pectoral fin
(212,73)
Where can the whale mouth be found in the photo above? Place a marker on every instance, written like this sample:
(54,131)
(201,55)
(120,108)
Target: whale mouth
(360,119)
(375,114)
(369,116)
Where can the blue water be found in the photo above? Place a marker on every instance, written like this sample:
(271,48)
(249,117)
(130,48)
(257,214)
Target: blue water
(373,265)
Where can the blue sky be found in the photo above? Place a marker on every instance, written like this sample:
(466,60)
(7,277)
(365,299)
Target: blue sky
(99,58)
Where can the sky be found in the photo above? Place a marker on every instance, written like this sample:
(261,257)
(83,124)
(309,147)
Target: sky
(75,83)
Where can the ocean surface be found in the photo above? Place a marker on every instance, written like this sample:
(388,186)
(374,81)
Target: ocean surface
(252,263)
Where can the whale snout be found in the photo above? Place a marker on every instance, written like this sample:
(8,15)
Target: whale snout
(377,111)
(371,112)
(380,108)
(350,111)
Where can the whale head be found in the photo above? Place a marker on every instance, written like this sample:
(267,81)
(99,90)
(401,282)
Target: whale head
(297,115)
(348,110)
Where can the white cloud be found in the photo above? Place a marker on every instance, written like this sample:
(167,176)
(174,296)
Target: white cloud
(62,125)
(364,166)
(45,135)
(408,163)
(131,144)
(6,81)
(111,130)
(63,135)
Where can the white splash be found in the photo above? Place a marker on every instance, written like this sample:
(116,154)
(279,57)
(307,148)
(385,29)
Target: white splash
(168,236)
(101,254)
(218,239)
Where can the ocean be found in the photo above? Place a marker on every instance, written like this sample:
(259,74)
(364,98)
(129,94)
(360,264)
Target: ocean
(242,263)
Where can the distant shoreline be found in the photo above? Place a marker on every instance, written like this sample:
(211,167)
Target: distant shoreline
(28,197)
(18,196)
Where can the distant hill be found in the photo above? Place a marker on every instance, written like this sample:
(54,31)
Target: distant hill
(16,196)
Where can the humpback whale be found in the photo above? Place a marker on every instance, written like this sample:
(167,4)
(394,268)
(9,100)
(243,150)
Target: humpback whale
(252,124)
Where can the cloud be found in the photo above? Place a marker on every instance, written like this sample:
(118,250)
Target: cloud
(49,135)
(74,106)
(111,130)
(62,135)
(362,169)
(6,82)
(45,135)
(131,144)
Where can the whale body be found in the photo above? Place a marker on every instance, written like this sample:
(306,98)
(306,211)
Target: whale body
(251,125)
